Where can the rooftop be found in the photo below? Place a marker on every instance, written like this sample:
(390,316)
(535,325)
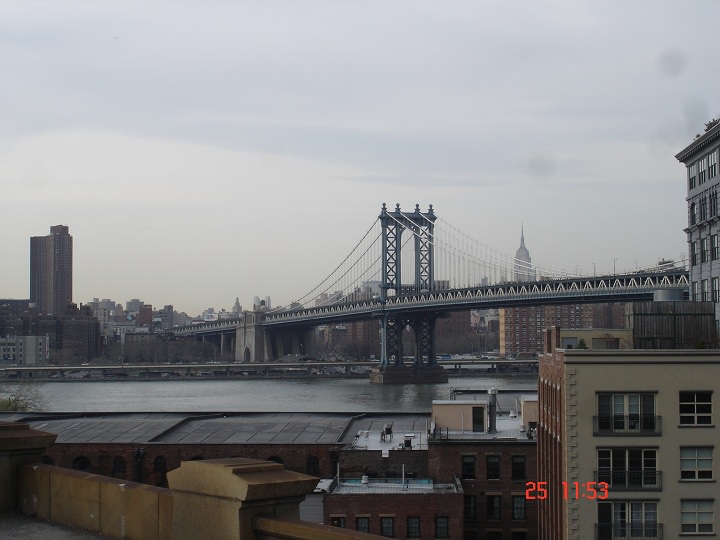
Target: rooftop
(356,430)
(390,486)
(27,528)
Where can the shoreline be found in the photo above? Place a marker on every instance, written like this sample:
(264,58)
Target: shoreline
(458,373)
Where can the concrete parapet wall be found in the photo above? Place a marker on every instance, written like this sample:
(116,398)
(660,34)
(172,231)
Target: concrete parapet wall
(18,444)
(220,498)
(112,507)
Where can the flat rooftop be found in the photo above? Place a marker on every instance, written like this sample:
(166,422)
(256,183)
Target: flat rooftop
(363,431)
(217,428)
(28,528)
(391,486)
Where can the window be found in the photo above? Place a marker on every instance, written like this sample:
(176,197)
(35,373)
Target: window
(712,164)
(627,413)
(696,463)
(518,507)
(469,508)
(362,524)
(705,290)
(627,519)
(692,176)
(628,468)
(704,249)
(519,535)
(337,521)
(713,203)
(693,214)
(413,527)
(494,535)
(494,503)
(468,467)
(696,516)
(442,528)
(695,291)
(693,253)
(493,467)
(703,208)
(695,408)
(387,526)
(312,466)
(702,170)
(518,468)
(714,247)
(716,289)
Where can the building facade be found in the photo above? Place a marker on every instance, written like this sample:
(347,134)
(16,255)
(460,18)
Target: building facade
(701,159)
(626,443)
(51,271)
(24,350)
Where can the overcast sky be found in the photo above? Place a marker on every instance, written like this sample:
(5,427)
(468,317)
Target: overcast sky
(202,151)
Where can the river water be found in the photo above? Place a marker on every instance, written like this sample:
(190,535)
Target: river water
(281,395)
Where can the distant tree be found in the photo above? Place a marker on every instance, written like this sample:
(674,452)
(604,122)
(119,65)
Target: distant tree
(581,344)
(21,396)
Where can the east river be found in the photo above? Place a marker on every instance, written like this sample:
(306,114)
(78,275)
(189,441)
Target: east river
(281,395)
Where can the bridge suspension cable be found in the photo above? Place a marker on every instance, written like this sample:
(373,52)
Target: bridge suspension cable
(360,266)
(460,261)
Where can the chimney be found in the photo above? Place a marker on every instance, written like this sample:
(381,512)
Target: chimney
(492,410)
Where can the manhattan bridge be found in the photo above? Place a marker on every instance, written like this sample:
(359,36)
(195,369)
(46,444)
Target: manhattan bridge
(409,269)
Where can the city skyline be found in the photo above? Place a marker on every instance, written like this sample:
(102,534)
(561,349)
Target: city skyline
(199,157)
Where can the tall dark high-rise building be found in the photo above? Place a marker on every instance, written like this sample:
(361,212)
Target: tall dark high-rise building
(51,271)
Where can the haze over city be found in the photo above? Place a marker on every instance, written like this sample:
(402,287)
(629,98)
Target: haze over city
(200,154)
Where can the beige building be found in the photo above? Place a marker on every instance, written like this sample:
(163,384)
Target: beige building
(626,443)
(24,350)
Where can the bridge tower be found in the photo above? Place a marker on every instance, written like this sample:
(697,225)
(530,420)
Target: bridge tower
(421,226)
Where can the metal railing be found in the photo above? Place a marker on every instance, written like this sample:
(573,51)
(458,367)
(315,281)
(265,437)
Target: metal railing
(630,479)
(629,424)
(628,531)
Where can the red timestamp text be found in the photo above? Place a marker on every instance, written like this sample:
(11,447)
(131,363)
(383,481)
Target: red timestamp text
(570,490)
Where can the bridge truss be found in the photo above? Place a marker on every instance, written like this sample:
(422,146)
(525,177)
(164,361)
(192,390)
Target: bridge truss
(451,272)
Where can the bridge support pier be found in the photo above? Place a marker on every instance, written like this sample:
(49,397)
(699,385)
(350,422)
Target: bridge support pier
(250,339)
(392,368)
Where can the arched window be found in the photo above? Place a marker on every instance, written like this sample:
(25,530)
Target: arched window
(81,463)
(119,467)
(160,471)
(313,466)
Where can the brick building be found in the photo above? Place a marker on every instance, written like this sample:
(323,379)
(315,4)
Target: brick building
(444,495)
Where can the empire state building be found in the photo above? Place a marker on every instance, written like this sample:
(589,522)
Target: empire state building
(523,267)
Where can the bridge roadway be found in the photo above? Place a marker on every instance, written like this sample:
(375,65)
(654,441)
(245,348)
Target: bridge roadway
(220,370)
(614,288)
(632,287)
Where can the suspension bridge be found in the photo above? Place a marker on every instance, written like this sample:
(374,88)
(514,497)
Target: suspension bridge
(409,269)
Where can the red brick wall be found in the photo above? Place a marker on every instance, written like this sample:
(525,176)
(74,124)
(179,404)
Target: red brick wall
(400,507)
(445,459)
(146,465)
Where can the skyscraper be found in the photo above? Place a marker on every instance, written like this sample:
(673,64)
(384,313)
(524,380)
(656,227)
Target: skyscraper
(523,265)
(51,271)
